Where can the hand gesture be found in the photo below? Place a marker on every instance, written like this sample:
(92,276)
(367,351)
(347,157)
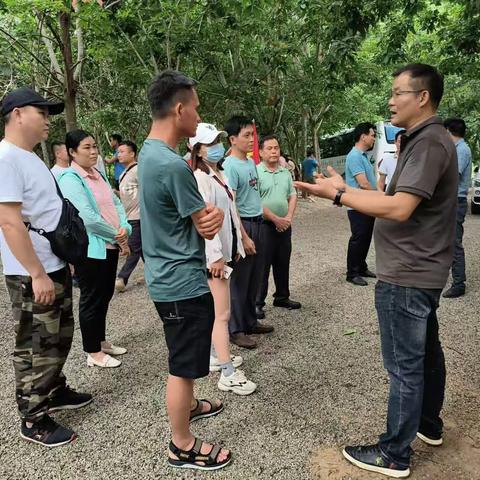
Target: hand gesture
(249,245)
(216,269)
(324,187)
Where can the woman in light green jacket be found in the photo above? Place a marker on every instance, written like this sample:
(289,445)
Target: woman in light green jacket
(108,230)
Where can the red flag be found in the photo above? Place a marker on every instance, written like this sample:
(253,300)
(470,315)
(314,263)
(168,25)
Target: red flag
(256,151)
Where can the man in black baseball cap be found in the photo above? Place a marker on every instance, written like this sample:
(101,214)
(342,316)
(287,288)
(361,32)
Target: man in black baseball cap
(22,97)
(38,282)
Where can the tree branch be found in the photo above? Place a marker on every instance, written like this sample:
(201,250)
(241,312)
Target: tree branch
(24,48)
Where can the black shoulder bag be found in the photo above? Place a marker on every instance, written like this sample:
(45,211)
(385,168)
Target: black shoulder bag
(69,241)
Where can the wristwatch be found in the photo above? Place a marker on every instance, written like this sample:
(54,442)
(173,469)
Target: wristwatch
(338,197)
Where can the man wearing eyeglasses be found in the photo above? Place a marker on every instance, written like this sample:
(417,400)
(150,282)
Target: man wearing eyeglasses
(414,240)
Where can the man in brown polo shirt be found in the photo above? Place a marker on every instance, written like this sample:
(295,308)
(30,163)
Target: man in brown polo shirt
(414,239)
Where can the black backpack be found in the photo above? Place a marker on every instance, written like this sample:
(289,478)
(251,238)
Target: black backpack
(69,241)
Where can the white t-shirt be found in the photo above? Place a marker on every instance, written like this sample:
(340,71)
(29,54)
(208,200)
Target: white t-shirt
(388,166)
(26,179)
(57,170)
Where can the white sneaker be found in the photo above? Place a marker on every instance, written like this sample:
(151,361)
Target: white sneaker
(107,362)
(120,285)
(114,350)
(215,362)
(236,383)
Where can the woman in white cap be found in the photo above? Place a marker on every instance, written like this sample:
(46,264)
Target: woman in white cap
(221,252)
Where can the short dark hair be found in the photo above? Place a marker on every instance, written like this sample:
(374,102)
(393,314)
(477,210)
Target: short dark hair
(166,89)
(428,78)
(400,132)
(362,129)
(266,138)
(7,117)
(55,147)
(116,136)
(235,125)
(456,126)
(74,138)
(310,151)
(131,145)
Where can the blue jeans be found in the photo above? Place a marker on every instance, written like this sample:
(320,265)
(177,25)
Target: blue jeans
(413,357)
(458,265)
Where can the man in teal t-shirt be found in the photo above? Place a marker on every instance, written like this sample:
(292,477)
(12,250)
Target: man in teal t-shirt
(175,220)
(245,280)
(359,173)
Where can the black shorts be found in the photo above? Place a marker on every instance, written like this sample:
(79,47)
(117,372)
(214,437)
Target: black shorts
(188,328)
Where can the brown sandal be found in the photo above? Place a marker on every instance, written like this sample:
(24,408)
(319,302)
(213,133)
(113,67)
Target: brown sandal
(197,414)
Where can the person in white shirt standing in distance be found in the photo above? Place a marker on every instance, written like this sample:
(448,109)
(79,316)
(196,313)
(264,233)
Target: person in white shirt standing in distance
(221,252)
(128,183)
(388,164)
(38,282)
(60,157)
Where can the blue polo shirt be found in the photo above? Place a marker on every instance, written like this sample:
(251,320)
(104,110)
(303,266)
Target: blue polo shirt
(118,168)
(357,162)
(464,157)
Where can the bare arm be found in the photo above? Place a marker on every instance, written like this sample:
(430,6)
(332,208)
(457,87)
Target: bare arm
(363,182)
(19,242)
(381,182)
(397,207)
(292,205)
(248,243)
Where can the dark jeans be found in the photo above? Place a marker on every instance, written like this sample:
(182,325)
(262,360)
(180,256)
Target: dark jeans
(276,254)
(458,265)
(245,281)
(96,279)
(135,244)
(362,229)
(413,357)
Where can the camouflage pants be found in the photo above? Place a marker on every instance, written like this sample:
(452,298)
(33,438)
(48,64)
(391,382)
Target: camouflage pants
(43,339)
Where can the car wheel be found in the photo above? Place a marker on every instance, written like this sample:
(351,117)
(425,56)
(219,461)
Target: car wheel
(475,208)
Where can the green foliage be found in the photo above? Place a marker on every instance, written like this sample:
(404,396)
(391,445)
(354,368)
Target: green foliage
(300,68)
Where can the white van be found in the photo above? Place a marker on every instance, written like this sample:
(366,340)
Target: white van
(385,142)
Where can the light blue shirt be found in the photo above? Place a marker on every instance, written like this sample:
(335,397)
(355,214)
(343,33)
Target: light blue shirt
(357,162)
(464,157)
(243,178)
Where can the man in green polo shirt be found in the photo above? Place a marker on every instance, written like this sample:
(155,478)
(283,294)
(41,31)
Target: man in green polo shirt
(279,200)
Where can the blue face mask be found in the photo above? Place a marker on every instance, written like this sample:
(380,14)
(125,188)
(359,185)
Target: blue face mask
(215,153)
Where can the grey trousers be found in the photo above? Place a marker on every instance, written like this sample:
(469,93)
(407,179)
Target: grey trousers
(245,282)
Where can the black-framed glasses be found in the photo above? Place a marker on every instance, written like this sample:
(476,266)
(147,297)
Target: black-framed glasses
(399,93)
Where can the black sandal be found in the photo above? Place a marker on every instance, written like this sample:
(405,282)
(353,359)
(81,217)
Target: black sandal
(197,414)
(195,460)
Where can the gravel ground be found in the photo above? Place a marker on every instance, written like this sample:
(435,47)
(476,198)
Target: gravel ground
(321,382)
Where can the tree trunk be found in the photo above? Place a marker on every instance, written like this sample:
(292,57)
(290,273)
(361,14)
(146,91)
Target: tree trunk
(70,86)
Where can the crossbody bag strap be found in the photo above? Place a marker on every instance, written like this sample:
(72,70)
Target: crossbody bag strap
(41,231)
(229,193)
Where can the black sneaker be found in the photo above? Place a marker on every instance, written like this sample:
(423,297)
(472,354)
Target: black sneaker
(371,458)
(454,292)
(68,399)
(47,432)
(429,439)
